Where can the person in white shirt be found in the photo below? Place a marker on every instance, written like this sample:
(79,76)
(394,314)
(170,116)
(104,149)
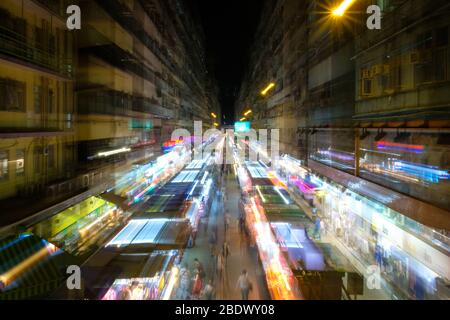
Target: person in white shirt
(244,285)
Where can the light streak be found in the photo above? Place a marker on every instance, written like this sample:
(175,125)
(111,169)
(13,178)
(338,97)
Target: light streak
(275,180)
(338,155)
(171,284)
(113,152)
(428,173)
(260,194)
(149,188)
(93,223)
(268,88)
(204,177)
(193,188)
(15,272)
(385,145)
(282,196)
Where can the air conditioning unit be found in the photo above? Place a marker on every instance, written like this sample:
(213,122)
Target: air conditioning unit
(377,69)
(417,57)
(414,57)
(365,73)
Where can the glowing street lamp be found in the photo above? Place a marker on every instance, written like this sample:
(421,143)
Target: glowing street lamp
(243,119)
(340,10)
(248,112)
(213,115)
(268,88)
(216,124)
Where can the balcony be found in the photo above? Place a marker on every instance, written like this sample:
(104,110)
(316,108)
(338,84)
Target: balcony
(124,16)
(58,7)
(41,52)
(110,102)
(121,59)
(147,105)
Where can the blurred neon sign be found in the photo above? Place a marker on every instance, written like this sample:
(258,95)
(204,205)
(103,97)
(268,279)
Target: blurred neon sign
(428,173)
(392,146)
(242,126)
(170,145)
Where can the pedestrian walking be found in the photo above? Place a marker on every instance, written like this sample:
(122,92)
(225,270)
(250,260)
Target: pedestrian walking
(244,285)
(241,223)
(212,242)
(227,221)
(205,223)
(199,267)
(317,225)
(190,243)
(208,291)
(225,253)
(183,289)
(225,198)
(220,266)
(197,285)
(243,243)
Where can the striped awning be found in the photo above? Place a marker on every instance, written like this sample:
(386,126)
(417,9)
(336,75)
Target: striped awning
(30,267)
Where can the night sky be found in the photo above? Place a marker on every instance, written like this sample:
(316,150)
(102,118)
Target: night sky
(229,27)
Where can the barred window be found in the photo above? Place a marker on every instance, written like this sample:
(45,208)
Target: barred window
(12,95)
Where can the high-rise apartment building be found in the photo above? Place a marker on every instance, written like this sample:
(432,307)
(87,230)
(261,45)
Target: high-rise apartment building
(37,139)
(369,111)
(80,107)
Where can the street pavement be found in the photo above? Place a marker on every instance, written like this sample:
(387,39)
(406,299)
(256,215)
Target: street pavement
(242,256)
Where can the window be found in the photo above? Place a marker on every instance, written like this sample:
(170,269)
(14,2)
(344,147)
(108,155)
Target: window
(51,97)
(51,156)
(37,91)
(4,156)
(367,87)
(20,162)
(37,155)
(12,95)
(425,40)
(442,37)
(395,76)
(432,58)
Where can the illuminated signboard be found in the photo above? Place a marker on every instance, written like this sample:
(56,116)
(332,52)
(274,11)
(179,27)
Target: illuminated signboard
(170,145)
(242,126)
(141,124)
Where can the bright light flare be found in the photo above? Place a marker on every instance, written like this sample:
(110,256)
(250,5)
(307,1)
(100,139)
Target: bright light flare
(340,10)
(248,112)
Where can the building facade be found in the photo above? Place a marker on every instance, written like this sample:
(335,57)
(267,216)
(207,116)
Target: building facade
(79,108)
(37,53)
(367,110)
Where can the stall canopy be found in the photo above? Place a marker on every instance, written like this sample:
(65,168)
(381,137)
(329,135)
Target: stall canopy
(139,235)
